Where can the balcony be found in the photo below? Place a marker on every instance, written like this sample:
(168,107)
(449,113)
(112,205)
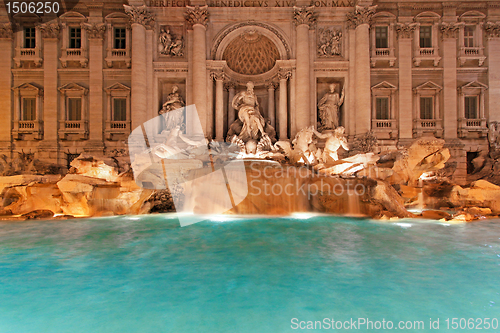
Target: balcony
(122,55)
(385,128)
(78,55)
(73,130)
(28,130)
(383,54)
(117,130)
(428,126)
(426,54)
(472,128)
(471,53)
(28,54)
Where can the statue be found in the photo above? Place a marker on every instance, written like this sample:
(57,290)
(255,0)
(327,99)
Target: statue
(329,108)
(333,143)
(248,112)
(169,44)
(170,110)
(329,42)
(171,150)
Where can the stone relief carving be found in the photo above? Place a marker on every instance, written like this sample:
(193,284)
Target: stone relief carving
(5,30)
(49,30)
(304,15)
(140,15)
(197,15)
(172,117)
(170,44)
(95,30)
(329,108)
(361,15)
(449,30)
(405,30)
(492,29)
(329,42)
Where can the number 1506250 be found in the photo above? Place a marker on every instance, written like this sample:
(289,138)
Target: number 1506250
(32,7)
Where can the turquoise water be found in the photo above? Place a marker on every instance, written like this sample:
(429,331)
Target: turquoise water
(125,274)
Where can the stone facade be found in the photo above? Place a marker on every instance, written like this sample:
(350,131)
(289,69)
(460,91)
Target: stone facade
(81,82)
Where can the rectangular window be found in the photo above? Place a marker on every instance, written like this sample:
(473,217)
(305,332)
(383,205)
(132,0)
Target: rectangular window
(120,38)
(382,105)
(74,109)
(471,107)
(426,36)
(29,38)
(381,38)
(29,109)
(469,36)
(426,108)
(75,38)
(119,109)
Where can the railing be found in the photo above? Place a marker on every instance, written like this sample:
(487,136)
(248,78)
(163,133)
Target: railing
(471,51)
(118,125)
(382,52)
(27,124)
(25,54)
(73,52)
(383,123)
(27,127)
(472,123)
(427,51)
(28,52)
(119,53)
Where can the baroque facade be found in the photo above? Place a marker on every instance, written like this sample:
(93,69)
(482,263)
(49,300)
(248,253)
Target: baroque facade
(82,81)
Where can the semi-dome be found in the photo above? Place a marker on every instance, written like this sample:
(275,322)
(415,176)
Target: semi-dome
(251,53)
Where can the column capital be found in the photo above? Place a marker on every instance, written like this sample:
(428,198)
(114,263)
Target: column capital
(449,30)
(271,85)
(49,30)
(405,30)
(228,85)
(197,15)
(94,30)
(6,31)
(218,76)
(492,29)
(140,15)
(304,15)
(361,15)
(284,74)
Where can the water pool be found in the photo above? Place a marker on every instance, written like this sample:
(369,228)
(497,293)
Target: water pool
(146,274)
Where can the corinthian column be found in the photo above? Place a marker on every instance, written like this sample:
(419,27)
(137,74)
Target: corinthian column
(231,116)
(197,18)
(283,76)
(219,105)
(361,20)
(140,19)
(450,119)
(493,34)
(270,102)
(303,19)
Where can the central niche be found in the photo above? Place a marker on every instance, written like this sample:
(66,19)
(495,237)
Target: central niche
(251,53)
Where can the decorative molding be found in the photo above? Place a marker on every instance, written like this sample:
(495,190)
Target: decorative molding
(304,15)
(329,42)
(6,30)
(271,85)
(492,29)
(284,74)
(361,15)
(94,30)
(218,76)
(229,84)
(170,44)
(449,30)
(226,32)
(49,30)
(197,15)
(140,15)
(405,30)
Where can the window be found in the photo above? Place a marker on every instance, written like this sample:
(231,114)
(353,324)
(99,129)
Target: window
(382,108)
(426,108)
(425,36)
(74,109)
(119,109)
(70,158)
(470,107)
(469,36)
(29,109)
(120,38)
(75,38)
(381,38)
(29,38)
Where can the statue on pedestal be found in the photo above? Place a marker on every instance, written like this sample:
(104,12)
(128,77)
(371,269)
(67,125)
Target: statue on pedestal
(172,110)
(329,108)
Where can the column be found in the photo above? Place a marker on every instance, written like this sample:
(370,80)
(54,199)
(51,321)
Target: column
(49,151)
(219,106)
(139,18)
(361,20)
(95,32)
(303,19)
(283,76)
(450,117)
(405,32)
(270,103)
(6,37)
(350,115)
(493,34)
(197,17)
(231,116)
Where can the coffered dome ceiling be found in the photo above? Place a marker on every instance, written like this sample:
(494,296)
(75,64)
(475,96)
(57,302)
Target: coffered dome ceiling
(251,53)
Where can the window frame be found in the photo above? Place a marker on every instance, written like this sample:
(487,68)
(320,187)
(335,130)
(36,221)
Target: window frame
(429,38)
(74,42)
(32,39)
(120,38)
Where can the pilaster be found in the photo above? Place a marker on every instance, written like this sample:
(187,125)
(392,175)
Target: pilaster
(450,117)
(493,35)
(5,88)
